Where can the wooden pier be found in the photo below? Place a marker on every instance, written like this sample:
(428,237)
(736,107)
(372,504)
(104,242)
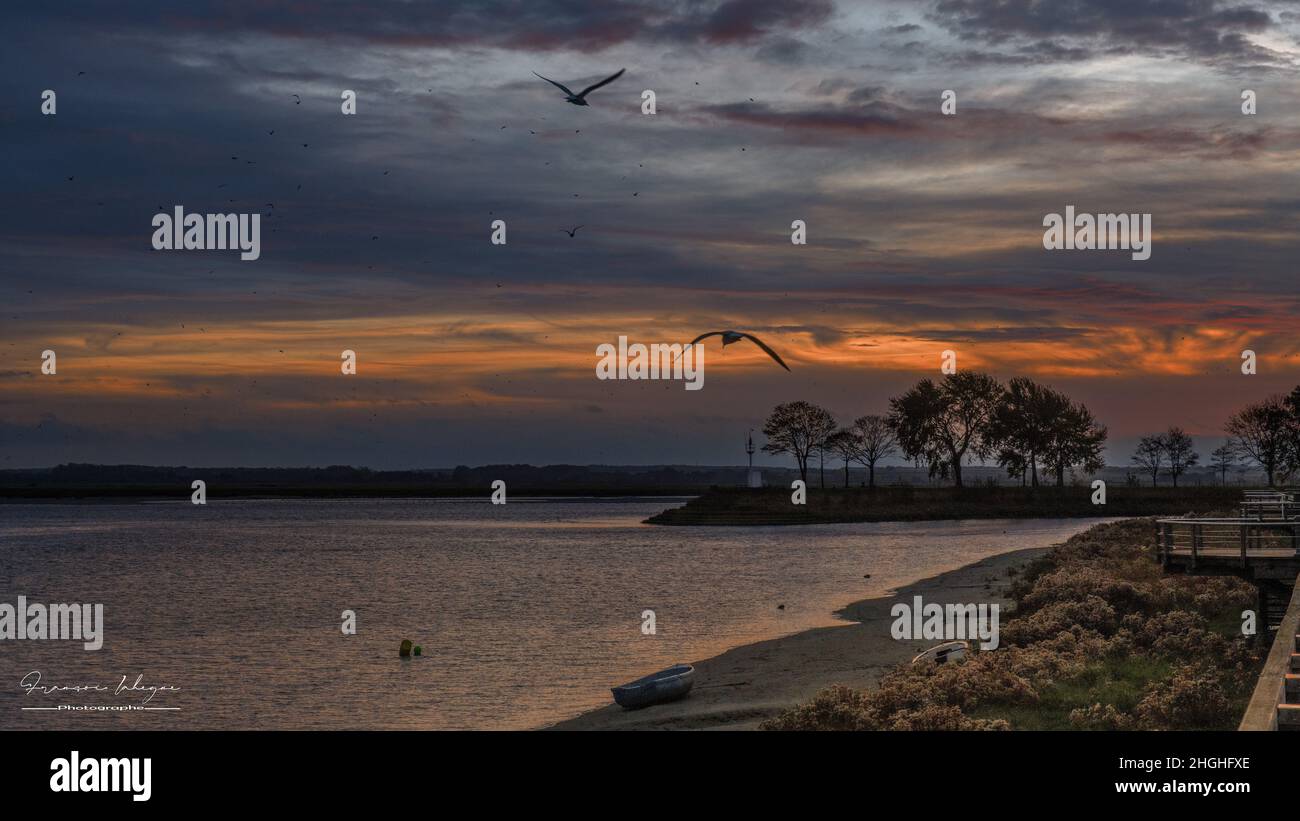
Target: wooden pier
(1255,544)
(1262,546)
(1275,704)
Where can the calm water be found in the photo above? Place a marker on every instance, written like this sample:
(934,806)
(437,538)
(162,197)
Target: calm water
(527,612)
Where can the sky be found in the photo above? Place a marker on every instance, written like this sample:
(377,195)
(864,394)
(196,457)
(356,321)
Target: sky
(924,231)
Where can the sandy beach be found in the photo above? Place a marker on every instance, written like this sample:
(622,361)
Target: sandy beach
(741,687)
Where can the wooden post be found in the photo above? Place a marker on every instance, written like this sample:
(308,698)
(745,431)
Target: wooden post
(1245,537)
(1196,539)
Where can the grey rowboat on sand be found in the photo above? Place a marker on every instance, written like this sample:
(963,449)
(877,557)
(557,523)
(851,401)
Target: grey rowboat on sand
(656,688)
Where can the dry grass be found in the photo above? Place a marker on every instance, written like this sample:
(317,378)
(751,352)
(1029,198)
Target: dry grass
(1099,638)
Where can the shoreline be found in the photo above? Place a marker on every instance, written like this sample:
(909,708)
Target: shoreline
(132,495)
(731,507)
(743,686)
(522,497)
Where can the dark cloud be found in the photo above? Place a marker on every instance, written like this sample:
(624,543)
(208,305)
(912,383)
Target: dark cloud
(873,111)
(1072,29)
(785,50)
(861,120)
(536,25)
(1017,334)
(1212,143)
(744,21)
(916,221)
(1039,53)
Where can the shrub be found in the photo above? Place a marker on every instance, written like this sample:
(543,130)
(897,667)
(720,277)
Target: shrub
(1191,699)
(835,708)
(1100,717)
(1075,583)
(1092,613)
(936,717)
(1097,597)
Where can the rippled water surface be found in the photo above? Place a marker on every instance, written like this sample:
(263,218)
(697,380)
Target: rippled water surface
(526,612)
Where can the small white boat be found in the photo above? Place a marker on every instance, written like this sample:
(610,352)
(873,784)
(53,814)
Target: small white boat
(942,653)
(656,688)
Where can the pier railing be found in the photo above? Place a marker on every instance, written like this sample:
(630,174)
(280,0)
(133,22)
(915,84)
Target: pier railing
(1275,704)
(1269,508)
(1263,545)
(1243,538)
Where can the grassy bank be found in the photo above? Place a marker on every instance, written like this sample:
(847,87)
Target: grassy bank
(772,506)
(1099,638)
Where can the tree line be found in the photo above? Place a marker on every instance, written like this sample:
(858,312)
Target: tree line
(1028,427)
(1264,433)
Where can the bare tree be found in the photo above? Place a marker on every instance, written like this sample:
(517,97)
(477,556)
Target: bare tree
(1292,404)
(876,441)
(1264,434)
(821,460)
(1179,450)
(798,428)
(1222,459)
(844,444)
(943,423)
(1150,456)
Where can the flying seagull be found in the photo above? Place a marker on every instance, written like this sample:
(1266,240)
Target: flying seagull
(581,98)
(729,337)
(572,233)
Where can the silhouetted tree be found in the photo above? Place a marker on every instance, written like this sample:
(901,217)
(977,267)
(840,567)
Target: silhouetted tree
(1023,425)
(1076,439)
(1292,403)
(1035,426)
(798,428)
(1264,434)
(1015,463)
(821,461)
(1150,455)
(1222,459)
(876,441)
(1179,451)
(844,444)
(943,423)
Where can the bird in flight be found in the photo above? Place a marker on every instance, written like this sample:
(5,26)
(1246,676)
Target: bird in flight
(581,97)
(729,337)
(573,232)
